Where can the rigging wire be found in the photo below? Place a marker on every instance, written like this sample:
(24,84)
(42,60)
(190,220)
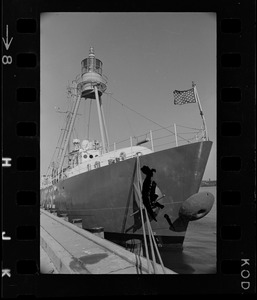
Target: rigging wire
(144,116)
(130,126)
(187,127)
(189,132)
(61,136)
(124,111)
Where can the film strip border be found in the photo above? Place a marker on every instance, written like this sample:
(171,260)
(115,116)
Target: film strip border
(20,149)
(20,155)
(236,210)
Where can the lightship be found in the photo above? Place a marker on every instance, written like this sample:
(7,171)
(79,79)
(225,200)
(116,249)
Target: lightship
(94,181)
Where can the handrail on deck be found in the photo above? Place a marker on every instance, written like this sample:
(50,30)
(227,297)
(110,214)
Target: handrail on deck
(150,138)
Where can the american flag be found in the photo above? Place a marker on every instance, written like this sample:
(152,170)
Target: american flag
(183,97)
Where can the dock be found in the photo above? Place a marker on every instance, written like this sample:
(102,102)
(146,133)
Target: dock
(68,249)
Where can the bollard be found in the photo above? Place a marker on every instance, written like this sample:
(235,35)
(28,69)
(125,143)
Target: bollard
(99,231)
(135,246)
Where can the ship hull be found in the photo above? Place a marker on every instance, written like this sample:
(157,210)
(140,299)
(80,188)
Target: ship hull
(104,197)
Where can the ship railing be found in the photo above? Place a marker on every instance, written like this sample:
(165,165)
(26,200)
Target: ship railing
(172,136)
(156,140)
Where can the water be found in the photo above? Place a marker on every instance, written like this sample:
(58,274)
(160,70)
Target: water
(199,248)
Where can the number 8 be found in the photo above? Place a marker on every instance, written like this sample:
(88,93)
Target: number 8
(6,60)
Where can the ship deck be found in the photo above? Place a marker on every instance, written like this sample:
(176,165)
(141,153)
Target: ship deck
(73,250)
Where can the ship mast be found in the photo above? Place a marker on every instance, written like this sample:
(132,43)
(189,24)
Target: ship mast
(67,139)
(91,84)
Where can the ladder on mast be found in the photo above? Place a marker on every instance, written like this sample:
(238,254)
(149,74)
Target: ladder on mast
(64,135)
(65,132)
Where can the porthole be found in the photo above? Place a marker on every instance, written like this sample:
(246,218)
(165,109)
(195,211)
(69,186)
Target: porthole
(96,155)
(85,156)
(91,156)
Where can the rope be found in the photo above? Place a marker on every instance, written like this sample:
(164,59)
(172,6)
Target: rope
(143,226)
(128,201)
(153,245)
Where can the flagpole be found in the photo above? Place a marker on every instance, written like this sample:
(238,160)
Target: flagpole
(201,111)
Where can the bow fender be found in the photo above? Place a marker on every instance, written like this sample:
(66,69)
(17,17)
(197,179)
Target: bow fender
(197,206)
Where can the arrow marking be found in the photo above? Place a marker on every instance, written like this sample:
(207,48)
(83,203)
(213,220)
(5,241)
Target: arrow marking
(6,43)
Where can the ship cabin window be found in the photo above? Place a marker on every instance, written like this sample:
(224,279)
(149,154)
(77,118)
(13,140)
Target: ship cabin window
(85,156)
(91,156)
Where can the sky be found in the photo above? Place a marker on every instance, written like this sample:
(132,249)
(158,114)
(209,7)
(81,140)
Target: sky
(146,56)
